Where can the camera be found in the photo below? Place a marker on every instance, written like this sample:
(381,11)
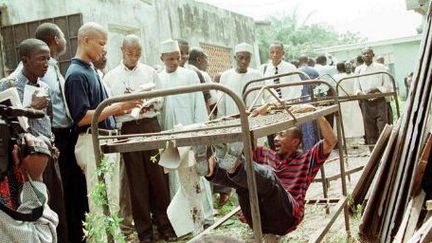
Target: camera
(12,132)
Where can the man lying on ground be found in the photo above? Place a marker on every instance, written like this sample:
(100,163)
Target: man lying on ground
(283,175)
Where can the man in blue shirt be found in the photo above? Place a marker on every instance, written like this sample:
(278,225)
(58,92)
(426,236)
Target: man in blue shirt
(84,91)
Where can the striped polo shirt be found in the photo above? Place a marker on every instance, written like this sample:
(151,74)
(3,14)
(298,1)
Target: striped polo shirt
(296,172)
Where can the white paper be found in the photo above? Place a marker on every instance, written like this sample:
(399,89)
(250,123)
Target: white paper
(11,94)
(29,90)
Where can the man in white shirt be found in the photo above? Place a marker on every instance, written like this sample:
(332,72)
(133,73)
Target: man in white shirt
(236,78)
(182,110)
(375,111)
(278,66)
(146,181)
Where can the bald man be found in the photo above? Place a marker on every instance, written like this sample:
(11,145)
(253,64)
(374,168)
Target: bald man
(84,91)
(148,184)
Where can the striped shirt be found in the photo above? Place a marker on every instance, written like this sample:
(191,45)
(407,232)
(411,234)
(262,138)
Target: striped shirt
(296,172)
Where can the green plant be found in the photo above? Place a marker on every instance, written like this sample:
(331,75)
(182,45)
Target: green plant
(96,223)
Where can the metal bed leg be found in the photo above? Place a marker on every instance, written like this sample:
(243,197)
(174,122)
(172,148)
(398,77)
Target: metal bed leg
(343,174)
(325,186)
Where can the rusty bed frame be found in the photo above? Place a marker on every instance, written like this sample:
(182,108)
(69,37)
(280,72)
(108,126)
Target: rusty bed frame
(239,129)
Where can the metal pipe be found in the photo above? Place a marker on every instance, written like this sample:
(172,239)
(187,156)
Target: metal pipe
(246,138)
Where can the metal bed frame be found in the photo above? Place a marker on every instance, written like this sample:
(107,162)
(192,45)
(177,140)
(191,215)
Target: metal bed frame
(339,126)
(240,129)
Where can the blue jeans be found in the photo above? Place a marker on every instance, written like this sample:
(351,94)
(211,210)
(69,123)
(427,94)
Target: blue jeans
(275,204)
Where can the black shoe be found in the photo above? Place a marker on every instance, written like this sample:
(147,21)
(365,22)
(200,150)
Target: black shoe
(168,235)
(146,237)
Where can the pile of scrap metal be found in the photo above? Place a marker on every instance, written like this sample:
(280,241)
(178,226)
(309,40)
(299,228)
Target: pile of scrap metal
(395,188)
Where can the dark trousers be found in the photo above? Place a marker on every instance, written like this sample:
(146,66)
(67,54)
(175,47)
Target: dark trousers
(275,204)
(375,117)
(53,181)
(74,184)
(148,185)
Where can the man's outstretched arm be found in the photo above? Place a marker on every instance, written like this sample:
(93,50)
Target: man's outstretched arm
(330,139)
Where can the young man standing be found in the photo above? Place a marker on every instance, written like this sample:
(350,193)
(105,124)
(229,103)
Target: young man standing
(278,66)
(148,184)
(375,110)
(84,91)
(236,78)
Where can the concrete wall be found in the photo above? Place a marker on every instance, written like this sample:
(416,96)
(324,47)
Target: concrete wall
(154,21)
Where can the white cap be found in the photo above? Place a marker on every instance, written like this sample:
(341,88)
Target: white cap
(243,47)
(169,46)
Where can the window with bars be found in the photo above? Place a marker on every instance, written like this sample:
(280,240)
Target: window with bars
(13,35)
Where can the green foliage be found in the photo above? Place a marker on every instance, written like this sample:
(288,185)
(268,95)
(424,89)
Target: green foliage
(97,224)
(300,38)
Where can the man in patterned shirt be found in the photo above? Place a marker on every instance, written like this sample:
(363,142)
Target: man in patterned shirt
(283,175)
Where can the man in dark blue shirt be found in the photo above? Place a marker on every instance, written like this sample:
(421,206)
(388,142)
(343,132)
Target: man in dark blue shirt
(84,91)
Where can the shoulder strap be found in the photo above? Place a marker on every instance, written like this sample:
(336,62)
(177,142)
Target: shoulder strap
(29,217)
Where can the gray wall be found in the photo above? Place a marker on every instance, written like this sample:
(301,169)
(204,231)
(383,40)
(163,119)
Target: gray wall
(154,21)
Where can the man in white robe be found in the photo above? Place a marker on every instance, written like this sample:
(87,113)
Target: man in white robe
(236,79)
(186,209)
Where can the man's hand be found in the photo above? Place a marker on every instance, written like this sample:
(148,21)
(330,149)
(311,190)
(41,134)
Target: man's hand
(302,108)
(125,107)
(55,152)
(262,110)
(39,102)
(33,164)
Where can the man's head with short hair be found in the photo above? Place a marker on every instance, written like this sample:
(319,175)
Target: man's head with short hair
(322,60)
(53,36)
(198,58)
(184,51)
(276,52)
(311,62)
(303,60)
(131,49)
(92,40)
(34,55)
(368,55)
(341,67)
(359,60)
(288,141)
